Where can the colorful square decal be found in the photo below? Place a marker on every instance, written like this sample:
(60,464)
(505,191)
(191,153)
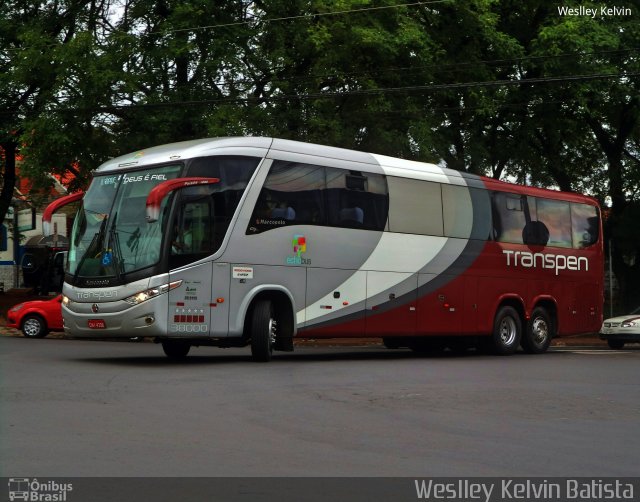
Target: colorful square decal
(299,244)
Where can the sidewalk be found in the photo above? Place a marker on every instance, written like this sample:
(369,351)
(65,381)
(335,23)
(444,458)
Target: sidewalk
(4,331)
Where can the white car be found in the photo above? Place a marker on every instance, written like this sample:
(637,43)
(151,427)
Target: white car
(619,330)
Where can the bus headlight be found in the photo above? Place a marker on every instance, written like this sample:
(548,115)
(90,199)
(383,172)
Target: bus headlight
(65,300)
(147,294)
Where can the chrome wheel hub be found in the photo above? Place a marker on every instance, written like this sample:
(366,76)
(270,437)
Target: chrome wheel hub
(507,331)
(31,327)
(272,331)
(540,330)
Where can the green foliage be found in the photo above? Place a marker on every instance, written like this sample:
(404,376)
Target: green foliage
(494,87)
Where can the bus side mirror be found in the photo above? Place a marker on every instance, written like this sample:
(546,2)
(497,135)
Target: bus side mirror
(159,192)
(54,206)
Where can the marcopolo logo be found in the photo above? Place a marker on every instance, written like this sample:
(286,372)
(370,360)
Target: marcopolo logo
(38,491)
(299,244)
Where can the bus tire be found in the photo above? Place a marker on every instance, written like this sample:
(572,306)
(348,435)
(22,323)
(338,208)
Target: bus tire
(458,346)
(507,331)
(537,336)
(176,349)
(390,342)
(34,326)
(426,345)
(263,331)
(615,344)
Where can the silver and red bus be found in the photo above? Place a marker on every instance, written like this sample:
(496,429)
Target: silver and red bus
(261,241)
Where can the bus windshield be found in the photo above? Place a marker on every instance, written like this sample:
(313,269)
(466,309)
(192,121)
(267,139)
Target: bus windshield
(110,234)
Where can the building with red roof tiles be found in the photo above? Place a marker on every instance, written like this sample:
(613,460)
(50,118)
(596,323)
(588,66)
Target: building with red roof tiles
(21,230)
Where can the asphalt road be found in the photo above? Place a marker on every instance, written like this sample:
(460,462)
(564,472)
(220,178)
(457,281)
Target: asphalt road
(80,408)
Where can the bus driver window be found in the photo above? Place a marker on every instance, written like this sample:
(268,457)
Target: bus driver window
(183,238)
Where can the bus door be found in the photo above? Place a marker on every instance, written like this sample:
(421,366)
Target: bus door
(190,305)
(391,304)
(199,307)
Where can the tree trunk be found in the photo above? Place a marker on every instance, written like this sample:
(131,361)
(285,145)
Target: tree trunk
(9,177)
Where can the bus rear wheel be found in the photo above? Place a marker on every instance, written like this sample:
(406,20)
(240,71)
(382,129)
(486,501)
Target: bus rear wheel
(507,331)
(426,345)
(391,342)
(263,331)
(176,349)
(537,337)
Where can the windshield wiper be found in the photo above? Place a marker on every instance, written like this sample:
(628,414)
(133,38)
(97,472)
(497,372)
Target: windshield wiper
(114,242)
(94,243)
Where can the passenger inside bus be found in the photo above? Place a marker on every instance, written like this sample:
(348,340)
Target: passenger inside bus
(285,213)
(271,208)
(352,217)
(183,239)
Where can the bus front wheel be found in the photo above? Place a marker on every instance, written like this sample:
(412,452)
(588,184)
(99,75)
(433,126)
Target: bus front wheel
(176,349)
(507,331)
(537,337)
(263,331)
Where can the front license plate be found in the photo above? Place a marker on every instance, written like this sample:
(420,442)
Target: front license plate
(97,324)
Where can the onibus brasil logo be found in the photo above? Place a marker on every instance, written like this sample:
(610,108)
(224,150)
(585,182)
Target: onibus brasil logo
(38,491)
(299,244)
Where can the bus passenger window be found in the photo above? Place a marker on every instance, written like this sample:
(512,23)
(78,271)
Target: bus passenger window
(305,194)
(415,206)
(357,199)
(585,225)
(509,217)
(292,194)
(556,215)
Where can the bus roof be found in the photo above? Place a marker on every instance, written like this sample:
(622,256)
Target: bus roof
(184,150)
(261,146)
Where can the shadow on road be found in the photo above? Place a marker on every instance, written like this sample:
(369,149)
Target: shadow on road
(326,354)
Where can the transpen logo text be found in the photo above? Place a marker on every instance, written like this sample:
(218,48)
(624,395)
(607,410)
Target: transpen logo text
(555,262)
(96,295)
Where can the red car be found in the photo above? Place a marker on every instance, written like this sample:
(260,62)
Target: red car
(36,318)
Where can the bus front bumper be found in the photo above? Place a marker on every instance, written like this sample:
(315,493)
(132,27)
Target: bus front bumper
(115,320)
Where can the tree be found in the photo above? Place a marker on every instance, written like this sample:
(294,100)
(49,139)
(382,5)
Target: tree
(586,138)
(48,50)
(493,87)
(175,69)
